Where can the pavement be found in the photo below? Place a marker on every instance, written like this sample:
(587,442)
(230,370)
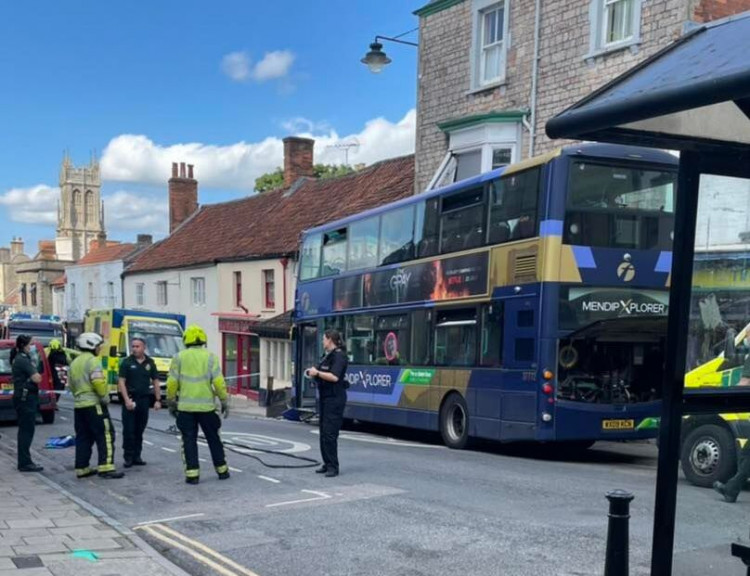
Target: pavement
(46,530)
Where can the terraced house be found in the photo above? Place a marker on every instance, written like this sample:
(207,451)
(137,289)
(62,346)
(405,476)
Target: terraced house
(492,72)
(231,266)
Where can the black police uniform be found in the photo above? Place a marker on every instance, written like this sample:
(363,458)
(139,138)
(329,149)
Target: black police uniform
(138,378)
(26,403)
(57,358)
(331,402)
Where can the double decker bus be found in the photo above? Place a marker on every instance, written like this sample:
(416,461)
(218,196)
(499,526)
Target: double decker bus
(526,303)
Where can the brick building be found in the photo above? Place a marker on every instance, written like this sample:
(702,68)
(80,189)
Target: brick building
(483,103)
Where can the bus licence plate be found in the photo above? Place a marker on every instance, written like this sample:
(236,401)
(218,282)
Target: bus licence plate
(618,424)
(6,387)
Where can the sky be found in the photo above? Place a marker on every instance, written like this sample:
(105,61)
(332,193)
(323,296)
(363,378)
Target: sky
(144,83)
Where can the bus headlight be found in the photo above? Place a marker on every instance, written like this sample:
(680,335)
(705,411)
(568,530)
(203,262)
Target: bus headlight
(546,417)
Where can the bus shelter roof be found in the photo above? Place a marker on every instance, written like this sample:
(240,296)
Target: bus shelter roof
(692,95)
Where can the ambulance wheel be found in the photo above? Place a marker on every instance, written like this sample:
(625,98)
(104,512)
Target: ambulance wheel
(709,454)
(48,417)
(454,422)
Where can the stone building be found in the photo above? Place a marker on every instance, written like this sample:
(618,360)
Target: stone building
(80,213)
(492,72)
(35,277)
(10,259)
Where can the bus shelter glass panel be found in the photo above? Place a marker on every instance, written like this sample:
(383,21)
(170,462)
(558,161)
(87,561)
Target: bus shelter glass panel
(717,359)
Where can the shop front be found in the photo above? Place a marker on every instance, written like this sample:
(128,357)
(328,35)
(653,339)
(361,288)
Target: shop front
(240,351)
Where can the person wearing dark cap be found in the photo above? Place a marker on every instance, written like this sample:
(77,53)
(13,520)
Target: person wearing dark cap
(26,379)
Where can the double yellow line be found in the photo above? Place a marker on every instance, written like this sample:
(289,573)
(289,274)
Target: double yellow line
(198,551)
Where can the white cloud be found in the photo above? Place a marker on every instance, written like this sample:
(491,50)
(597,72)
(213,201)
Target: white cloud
(299,125)
(274,65)
(236,65)
(127,211)
(32,205)
(136,158)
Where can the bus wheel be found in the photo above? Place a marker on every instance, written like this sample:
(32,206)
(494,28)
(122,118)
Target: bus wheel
(708,454)
(454,422)
(48,417)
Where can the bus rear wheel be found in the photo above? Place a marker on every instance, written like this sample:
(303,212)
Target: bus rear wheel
(454,422)
(708,454)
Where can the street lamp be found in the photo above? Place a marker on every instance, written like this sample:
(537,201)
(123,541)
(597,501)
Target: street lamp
(376,59)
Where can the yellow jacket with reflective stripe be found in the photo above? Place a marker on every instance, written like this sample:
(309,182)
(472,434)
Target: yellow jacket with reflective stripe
(86,381)
(195,379)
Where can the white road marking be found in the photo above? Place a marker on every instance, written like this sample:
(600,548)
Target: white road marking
(147,443)
(250,441)
(318,496)
(202,459)
(234,469)
(174,518)
(268,479)
(380,440)
(168,449)
(63,418)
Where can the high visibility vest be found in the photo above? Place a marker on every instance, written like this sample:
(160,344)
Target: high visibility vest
(86,381)
(195,377)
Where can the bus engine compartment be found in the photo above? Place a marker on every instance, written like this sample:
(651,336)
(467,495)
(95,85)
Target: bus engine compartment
(613,362)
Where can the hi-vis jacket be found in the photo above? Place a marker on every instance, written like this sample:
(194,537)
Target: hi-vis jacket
(86,381)
(195,379)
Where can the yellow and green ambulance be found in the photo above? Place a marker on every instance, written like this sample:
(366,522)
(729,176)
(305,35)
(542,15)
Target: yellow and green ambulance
(161,331)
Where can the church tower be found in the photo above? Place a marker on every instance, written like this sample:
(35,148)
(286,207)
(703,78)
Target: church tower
(80,213)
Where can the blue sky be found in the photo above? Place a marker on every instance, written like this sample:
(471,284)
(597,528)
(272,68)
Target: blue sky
(145,83)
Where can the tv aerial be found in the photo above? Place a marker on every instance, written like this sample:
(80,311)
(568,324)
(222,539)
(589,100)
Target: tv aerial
(345,146)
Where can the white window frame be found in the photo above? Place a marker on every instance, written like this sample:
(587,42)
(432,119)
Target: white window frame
(598,21)
(479,9)
(265,273)
(198,290)
(486,137)
(140,290)
(162,297)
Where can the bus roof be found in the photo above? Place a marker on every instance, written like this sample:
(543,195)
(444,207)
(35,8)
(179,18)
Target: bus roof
(590,149)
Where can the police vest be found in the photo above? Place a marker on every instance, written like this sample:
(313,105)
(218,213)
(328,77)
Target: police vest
(82,371)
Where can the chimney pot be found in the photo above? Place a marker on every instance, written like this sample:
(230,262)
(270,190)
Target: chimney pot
(144,240)
(182,169)
(190,171)
(174,169)
(298,158)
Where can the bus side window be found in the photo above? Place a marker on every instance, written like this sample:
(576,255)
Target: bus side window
(492,335)
(421,320)
(456,337)
(427,228)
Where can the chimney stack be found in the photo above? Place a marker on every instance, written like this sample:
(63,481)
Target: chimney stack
(143,240)
(101,240)
(183,196)
(16,246)
(298,159)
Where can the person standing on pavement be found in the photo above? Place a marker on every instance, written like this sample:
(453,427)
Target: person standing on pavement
(329,375)
(137,376)
(58,361)
(194,381)
(92,422)
(736,483)
(26,379)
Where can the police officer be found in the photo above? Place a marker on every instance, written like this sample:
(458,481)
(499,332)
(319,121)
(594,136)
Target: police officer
(194,381)
(329,376)
(92,422)
(26,379)
(58,361)
(137,375)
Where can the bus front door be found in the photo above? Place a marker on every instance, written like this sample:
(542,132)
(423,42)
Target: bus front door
(309,355)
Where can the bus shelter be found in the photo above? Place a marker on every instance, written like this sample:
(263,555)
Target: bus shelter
(692,97)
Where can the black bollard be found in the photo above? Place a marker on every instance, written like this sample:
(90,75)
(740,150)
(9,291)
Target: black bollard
(617,561)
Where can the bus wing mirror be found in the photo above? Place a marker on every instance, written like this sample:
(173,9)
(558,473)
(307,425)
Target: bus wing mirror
(729,349)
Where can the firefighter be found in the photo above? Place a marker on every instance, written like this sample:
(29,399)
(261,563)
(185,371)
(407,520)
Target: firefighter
(92,422)
(194,382)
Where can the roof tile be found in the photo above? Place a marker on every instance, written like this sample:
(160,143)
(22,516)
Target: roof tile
(270,224)
(108,253)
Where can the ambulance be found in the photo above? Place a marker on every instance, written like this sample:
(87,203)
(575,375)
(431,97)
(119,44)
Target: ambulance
(161,331)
